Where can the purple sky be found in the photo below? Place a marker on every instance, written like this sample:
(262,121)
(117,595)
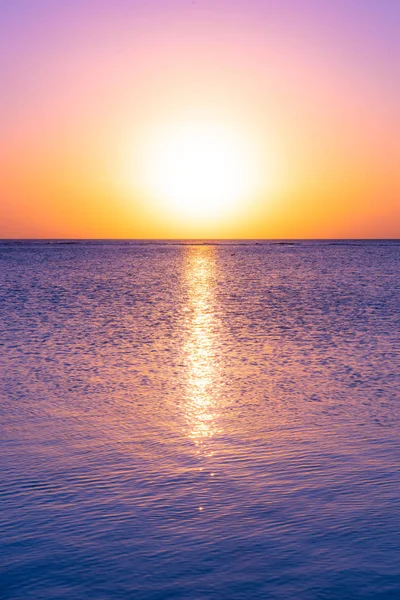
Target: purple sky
(327,70)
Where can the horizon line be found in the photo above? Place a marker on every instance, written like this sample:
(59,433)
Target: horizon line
(190,239)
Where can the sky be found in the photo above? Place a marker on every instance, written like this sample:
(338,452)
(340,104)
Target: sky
(200,119)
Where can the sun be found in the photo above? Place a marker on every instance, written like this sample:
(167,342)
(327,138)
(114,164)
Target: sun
(198,171)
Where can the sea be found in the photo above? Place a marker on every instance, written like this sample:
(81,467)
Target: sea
(200,420)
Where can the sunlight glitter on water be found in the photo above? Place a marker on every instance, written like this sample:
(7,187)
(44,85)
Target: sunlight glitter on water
(201,398)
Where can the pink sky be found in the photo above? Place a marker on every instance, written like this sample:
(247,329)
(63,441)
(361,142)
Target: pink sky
(317,81)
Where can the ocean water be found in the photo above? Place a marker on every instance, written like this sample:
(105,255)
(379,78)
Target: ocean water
(199,421)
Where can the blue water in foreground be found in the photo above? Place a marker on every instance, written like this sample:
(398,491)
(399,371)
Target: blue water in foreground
(200,421)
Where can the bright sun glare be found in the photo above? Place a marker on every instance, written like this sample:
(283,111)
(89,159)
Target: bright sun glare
(199,170)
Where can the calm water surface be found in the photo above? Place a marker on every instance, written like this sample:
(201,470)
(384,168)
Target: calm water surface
(200,421)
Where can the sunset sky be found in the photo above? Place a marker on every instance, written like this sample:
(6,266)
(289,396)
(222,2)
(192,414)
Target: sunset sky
(204,118)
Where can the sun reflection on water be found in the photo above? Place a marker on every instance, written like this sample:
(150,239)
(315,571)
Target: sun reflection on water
(201,347)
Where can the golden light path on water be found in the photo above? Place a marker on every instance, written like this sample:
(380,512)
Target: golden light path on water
(201,348)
